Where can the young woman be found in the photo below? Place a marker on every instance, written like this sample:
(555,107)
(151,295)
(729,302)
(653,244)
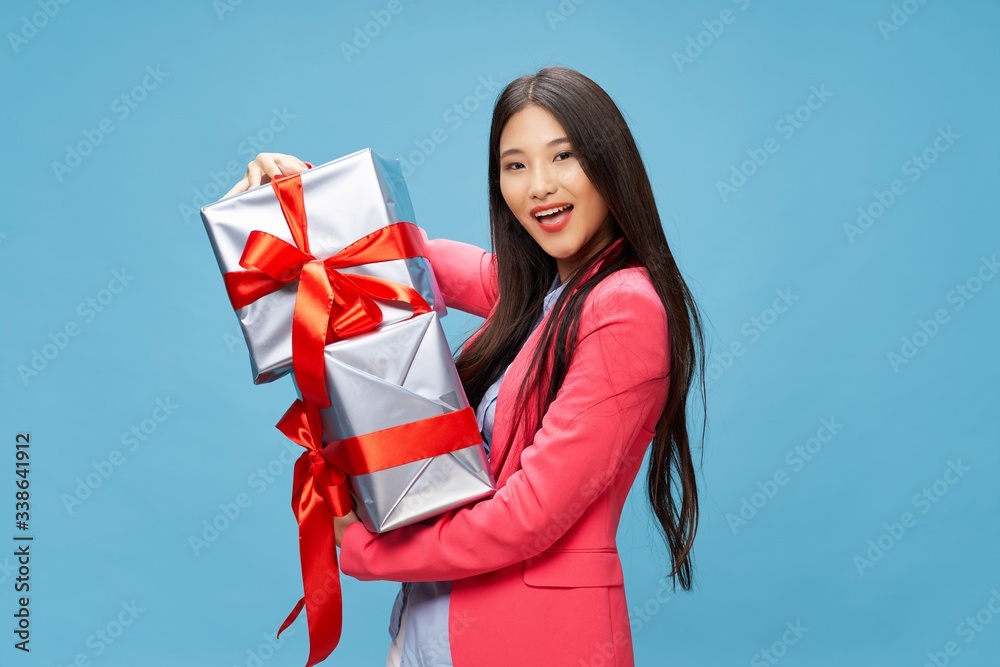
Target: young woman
(588,351)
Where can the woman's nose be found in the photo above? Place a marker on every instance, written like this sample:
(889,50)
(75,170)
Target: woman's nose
(542,184)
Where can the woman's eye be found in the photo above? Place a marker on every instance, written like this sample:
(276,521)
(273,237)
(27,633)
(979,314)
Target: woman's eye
(564,155)
(514,165)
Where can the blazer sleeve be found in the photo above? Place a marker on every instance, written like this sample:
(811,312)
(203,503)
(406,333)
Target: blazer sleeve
(615,384)
(465,273)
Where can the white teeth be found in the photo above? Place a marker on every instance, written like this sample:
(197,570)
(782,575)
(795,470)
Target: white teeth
(551,211)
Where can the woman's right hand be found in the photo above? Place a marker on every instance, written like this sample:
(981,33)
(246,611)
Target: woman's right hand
(266,166)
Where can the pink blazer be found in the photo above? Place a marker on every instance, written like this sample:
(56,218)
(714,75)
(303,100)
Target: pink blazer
(536,574)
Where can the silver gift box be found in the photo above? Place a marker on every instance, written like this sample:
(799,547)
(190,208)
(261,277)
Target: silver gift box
(344,200)
(397,374)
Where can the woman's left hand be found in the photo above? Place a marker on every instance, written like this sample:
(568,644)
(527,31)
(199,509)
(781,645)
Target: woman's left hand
(340,524)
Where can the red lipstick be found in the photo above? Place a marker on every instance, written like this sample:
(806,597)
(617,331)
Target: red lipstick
(553,222)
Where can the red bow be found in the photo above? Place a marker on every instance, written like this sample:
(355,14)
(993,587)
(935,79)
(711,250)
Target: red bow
(320,493)
(329,305)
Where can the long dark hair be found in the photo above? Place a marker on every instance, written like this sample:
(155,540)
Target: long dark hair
(610,159)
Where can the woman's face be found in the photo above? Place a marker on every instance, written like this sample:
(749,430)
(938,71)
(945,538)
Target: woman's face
(544,185)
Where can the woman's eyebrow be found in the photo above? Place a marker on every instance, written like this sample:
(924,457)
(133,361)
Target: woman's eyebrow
(515,151)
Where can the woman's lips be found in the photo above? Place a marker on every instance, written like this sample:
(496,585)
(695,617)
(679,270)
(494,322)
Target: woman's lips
(555,221)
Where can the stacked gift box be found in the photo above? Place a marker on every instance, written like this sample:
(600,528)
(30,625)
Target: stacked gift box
(328,275)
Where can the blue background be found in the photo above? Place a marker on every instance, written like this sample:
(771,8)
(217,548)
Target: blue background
(130,205)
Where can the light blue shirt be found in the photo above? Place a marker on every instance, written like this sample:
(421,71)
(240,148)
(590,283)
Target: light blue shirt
(425,641)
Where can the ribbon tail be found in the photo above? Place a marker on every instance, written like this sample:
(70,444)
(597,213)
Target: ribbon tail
(322,598)
(318,494)
(321,581)
(291,616)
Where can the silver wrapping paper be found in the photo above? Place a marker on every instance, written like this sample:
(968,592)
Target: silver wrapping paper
(344,200)
(401,373)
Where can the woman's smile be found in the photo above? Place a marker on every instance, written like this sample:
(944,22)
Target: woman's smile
(552,217)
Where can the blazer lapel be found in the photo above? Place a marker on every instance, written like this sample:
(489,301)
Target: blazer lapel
(511,383)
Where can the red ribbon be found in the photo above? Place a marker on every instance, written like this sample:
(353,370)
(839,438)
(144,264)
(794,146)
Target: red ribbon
(329,305)
(320,493)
